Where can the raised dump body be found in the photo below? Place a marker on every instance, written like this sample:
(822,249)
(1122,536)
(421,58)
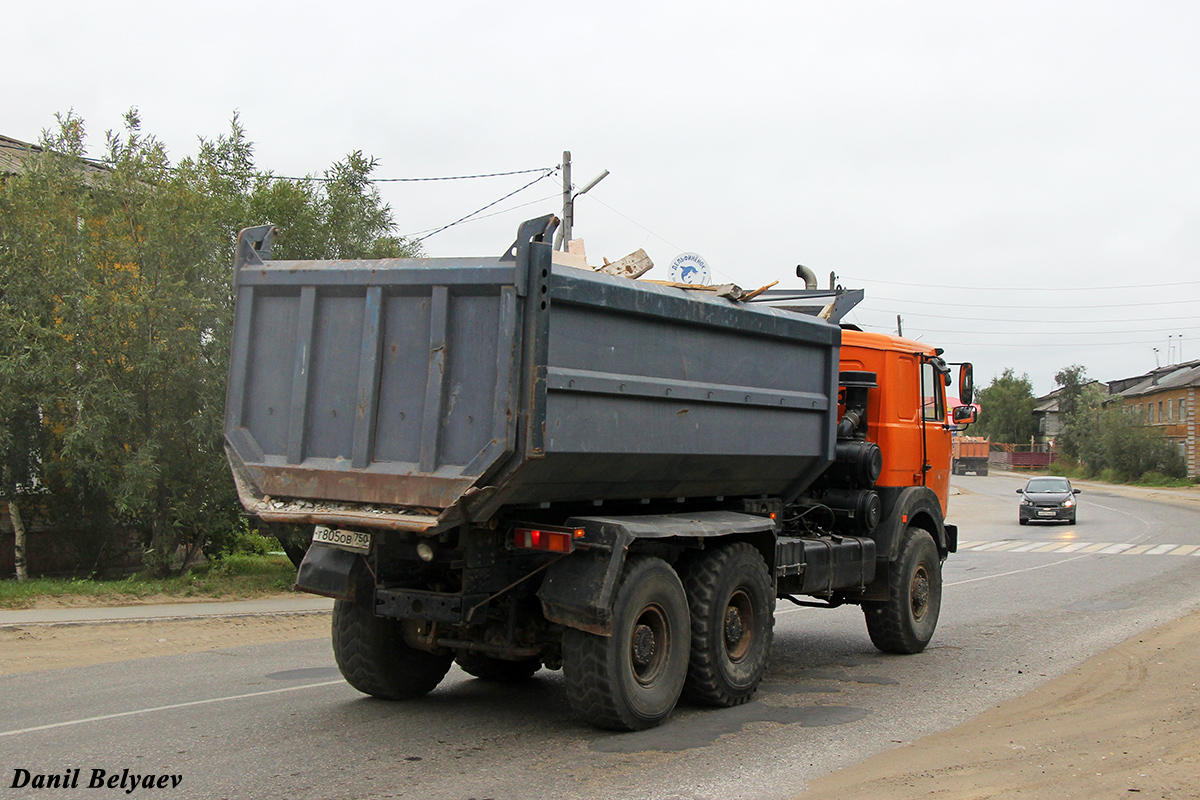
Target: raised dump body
(445,389)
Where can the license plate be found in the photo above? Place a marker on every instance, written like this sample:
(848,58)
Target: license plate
(1046,513)
(347,540)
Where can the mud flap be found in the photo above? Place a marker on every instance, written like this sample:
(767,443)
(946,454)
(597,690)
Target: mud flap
(330,571)
(578,591)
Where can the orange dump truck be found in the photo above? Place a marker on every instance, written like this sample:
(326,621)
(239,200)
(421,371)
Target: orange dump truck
(970,454)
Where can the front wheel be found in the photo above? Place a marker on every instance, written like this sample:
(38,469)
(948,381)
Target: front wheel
(904,623)
(373,657)
(632,679)
(732,605)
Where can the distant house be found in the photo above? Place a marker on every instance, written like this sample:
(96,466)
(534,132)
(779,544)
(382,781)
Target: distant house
(1165,399)
(1045,409)
(14,152)
(12,155)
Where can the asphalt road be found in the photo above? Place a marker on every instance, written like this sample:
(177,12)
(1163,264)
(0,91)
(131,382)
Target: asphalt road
(1021,605)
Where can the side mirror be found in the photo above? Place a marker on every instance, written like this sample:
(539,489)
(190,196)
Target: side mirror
(966,384)
(1020,491)
(1074,491)
(963,415)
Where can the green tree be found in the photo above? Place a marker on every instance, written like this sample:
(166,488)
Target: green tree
(1073,382)
(115,310)
(1006,409)
(1079,403)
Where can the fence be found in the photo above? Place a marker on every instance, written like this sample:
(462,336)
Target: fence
(1021,456)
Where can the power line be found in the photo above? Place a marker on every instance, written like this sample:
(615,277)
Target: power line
(1058,345)
(1024,345)
(1056,289)
(489,216)
(1000,319)
(548,170)
(1059,333)
(652,233)
(1025,306)
(545,174)
(100,163)
(1190,324)
(635,222)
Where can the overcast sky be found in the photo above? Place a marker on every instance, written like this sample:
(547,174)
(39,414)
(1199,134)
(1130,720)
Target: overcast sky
(1018,180)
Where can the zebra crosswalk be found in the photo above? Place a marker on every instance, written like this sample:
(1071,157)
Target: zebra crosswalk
(1105,548)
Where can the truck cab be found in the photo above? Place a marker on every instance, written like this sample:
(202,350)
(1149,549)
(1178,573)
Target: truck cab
(906,414)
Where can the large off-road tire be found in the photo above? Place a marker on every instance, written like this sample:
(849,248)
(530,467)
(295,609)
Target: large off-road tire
(732,607)
(632,679)
(905,622)
(373,657)
(488,668)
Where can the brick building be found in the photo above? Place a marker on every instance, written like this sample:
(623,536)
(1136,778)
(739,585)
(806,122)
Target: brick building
(1165,399)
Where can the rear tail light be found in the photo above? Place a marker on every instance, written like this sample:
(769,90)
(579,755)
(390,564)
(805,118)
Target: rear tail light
(552,540)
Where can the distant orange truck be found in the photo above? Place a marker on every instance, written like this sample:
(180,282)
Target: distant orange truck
(969,454)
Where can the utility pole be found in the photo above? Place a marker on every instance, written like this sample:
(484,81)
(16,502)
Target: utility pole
(568,213)
(899,326)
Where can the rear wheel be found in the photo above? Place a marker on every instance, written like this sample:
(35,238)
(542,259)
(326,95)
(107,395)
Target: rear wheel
(498,670)
(632,679)
(729,594)
(905,622)
(374,658)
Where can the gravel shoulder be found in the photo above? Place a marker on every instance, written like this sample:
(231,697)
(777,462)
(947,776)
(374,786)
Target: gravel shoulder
(38,646)
(1124,723)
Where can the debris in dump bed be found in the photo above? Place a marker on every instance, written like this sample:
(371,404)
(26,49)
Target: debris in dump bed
(730,291)
(633,265)
(751,295)
(573,256)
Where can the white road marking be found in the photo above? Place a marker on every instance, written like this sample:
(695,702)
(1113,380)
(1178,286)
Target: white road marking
(987,545)
(170,707)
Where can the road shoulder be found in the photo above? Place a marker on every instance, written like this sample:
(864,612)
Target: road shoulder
(1125,721)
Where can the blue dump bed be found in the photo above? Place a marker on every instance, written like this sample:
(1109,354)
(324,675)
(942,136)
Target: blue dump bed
(423,393)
